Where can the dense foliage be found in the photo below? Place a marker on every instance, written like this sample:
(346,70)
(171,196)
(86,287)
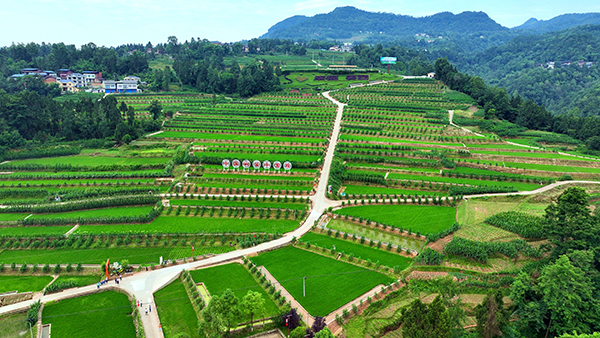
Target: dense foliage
(28,116)
(526,113)
(525,225)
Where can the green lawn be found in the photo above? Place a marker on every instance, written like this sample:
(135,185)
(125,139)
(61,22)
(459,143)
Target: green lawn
(352,137)
(376,234)
(116,211)
(235,277)
(235,137)
(239,184)
(191,224)
(23,283)
(92,256)
(365,189)
(13,216)
(238,203)
(261,157)
(91,182)
(426,219)
(96,315)
(22,231)
(531,155)
(329,283)
(517,185)
(14,325)
(80,280)
(261,177)
(86,160)
(175,310)
(382,256)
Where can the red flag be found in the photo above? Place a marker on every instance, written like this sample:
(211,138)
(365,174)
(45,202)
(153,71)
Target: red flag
(192,248)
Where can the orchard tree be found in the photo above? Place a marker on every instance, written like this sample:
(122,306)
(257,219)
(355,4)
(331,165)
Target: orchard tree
(569,223)
(155,109)
(252,303)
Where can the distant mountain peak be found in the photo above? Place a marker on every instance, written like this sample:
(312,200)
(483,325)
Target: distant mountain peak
(349,22)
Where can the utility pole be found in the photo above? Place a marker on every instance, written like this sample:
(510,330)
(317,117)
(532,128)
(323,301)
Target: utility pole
(304,286)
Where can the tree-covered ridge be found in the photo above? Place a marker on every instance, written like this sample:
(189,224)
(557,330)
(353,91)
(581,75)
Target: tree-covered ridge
(535,67)
(27,115)
(112,61)
(513,108)
(344,22)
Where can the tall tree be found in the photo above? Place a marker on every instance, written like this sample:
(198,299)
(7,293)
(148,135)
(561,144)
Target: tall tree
(569,223)
(252,303)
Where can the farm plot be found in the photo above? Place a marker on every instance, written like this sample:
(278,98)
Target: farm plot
(375,234)
(423,219)
(107,311)
(175,310)
(195,224)
(348,247)
(141,255)
(289,265)
(235,277)
(23,283)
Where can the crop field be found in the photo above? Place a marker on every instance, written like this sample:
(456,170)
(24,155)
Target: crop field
(85,160)
(175,310)
(195,224)
(143,255)
(90,316)
(235,277)
(423,219)
(376,234)
(289,265)
(124,211)
(348,247)
(246,204)
(23,283)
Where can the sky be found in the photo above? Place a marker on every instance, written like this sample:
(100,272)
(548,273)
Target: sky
(114,22)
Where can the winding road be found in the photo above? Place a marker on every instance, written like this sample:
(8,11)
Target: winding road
(143,285)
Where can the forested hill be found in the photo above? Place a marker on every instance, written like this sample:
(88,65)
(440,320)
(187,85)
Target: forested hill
(547,68)
(350,22)
(559,23)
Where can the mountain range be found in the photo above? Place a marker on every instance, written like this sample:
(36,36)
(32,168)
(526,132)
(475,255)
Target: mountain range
(471,31)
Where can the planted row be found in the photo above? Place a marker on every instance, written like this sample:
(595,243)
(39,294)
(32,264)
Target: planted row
(526,225)
(84,204)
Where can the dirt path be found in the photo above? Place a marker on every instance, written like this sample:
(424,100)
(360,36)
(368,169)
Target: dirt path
(451,115)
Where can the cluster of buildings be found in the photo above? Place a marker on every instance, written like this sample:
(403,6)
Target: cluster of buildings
(552,64)
(90,81)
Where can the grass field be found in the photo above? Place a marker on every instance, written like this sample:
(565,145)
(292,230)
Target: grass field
(386,258)
(329,283)
(517,185)
(426,219)
(85,160)
(191,224)
(63,182)
(14,325)
(365,189)
(96,315)
(236,137)
(13,217)
(80,280)
(23,283)
(175,310)
(235,277)
(119,211)
(97,256)
(34,231)
(246,204)
(376,234)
